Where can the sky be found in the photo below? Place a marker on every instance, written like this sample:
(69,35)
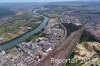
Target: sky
(3,1)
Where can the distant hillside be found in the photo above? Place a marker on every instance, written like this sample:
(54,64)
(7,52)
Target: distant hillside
(5,12)
(17,5)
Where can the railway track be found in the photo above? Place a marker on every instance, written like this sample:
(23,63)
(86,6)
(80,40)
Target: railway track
(63,50)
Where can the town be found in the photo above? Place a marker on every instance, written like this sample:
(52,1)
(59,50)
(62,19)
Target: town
(41,31)
(34,51)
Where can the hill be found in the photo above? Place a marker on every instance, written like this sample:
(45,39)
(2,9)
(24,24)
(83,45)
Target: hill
(5,12)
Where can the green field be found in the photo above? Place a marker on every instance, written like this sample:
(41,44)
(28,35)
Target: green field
(14,27)
(20,26)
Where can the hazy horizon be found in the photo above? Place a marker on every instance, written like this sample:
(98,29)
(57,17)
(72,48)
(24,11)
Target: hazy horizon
(6,1)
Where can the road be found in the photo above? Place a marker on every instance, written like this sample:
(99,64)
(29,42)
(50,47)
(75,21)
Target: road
(65,30)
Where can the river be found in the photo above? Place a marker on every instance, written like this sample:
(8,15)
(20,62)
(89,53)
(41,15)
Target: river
(22,38)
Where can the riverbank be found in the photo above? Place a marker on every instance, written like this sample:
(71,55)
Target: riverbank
(31,52)
(22,38)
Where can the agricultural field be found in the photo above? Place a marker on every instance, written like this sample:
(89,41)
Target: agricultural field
(19,26)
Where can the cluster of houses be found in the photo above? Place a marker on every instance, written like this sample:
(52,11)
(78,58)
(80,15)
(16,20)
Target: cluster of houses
(32,52)
(69,19)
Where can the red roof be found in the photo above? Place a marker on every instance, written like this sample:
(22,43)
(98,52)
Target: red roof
(92,31)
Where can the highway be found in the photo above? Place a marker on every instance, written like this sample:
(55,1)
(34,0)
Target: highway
(65,30)
(62,50)
(65,33)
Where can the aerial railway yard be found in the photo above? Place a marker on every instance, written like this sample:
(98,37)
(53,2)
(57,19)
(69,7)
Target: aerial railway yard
(50,34)
(62,45)
(63,50)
